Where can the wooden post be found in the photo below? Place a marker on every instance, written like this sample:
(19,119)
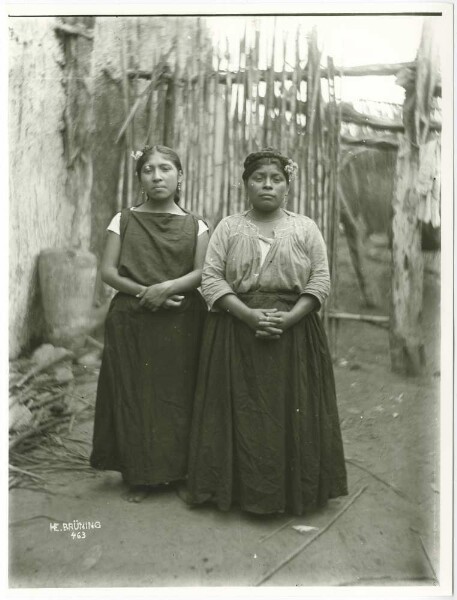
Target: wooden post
(406,343)
(406,340)
(79,126)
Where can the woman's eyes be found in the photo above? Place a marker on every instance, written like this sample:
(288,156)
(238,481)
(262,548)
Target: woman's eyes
(162,168)
(274,179)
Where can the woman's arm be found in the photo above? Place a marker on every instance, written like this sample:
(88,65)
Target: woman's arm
(283,319)
(156,295)
(109,267)
(318,284)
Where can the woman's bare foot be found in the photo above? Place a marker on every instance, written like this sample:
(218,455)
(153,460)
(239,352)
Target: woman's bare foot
(182,492)
(136,493)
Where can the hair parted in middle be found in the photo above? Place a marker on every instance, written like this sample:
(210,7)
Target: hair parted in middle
(268,156)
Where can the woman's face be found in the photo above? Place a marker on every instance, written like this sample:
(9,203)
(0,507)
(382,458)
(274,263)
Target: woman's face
(266,188)
(159,177)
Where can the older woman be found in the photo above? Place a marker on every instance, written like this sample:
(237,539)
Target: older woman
(265,431)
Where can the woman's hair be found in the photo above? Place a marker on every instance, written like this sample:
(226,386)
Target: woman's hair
(169,154)
(267,156)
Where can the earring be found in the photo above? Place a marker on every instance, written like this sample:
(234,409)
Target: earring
(179,186)
(143,195)
(284,202)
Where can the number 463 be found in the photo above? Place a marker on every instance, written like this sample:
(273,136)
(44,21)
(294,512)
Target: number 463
(80,535)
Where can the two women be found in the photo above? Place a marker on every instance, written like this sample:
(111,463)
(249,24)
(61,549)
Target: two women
(265,430)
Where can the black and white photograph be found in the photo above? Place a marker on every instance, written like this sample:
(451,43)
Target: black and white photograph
(230,283)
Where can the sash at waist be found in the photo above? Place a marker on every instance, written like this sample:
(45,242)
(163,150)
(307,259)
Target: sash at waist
(267,299)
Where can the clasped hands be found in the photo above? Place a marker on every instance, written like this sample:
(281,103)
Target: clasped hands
(158,296)
(269,323)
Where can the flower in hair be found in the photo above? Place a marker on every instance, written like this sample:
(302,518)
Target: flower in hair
(136,154)
(291,169)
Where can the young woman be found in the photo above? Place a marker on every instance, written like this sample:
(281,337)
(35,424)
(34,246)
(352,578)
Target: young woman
(265,431)
(153,256)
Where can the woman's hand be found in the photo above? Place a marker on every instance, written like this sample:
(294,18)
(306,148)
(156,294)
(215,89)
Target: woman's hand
(173,301)
(255,316)
(154,296)
(279,319)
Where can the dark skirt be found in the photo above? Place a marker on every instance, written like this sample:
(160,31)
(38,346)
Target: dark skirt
(145,390)
(266,433)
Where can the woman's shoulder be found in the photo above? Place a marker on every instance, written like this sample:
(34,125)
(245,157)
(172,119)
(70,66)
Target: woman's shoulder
(303,221)
(232,219)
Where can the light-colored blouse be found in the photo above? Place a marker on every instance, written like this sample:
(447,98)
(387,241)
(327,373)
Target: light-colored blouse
(295,262)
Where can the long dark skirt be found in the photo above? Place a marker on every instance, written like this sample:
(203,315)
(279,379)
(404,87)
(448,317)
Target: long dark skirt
(145,390)
(266,433)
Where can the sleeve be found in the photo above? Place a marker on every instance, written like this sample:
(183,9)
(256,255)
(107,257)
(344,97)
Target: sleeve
(319,280)
(202,227)
(214,285)
(115,224)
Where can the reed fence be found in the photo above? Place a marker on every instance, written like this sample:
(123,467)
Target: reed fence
(222,104)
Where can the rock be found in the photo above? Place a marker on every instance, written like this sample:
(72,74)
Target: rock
(91,359)
(48,354)
(63,374)
(20,417)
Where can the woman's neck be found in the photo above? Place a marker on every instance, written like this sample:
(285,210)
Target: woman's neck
(167,205)
(266,217)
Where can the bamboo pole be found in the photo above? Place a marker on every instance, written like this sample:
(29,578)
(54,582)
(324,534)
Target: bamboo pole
(187,93)
(300,201)
(252,76)
(128,134)
(215,172)
(375,319)
(151,107)
(201,119)
(193,134)
(271,83)
(236,183)
(313,128)
(245,94)
(358,71)
(334,213)
(256,122)
(269,574)
(133,57)
(207,145)
(282,116)
(309,129)
(228,154)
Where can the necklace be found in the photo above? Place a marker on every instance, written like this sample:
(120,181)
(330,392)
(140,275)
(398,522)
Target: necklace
(269,221)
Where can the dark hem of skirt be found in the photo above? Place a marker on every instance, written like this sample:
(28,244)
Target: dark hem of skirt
(211,499)
(134,481)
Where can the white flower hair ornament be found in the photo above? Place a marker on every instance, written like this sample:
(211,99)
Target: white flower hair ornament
(136,154)
(291,169)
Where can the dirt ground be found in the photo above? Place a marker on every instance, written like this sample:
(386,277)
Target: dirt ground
(388,534)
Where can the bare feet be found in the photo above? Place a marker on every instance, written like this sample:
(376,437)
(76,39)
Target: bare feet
(182,492)
(136,493)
